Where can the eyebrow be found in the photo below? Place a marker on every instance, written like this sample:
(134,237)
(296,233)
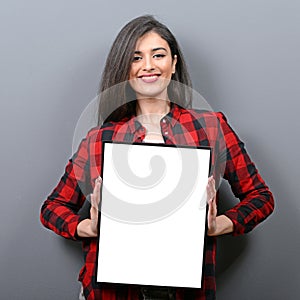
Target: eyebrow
(153,50)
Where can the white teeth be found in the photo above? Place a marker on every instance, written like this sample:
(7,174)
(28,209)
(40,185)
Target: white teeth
(150,77)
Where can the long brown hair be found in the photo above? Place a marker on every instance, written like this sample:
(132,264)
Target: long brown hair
(117,99)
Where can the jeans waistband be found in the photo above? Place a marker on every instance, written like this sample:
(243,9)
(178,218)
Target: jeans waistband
(157,293)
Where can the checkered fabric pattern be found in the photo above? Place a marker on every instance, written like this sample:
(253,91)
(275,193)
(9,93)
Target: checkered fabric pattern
(179,127)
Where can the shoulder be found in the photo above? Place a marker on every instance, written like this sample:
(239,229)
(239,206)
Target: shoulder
(105,131)
(206,116)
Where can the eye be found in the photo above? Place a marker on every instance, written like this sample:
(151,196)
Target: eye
(159,55)
(136,58)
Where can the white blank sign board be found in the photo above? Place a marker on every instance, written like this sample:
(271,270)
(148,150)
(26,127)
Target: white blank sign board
(153,214)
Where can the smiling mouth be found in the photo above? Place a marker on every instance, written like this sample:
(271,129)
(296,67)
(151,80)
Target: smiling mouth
(149,78)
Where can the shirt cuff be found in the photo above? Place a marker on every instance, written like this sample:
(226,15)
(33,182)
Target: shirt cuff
(238,229)
(72,227)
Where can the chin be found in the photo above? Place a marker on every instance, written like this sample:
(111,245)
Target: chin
(157,90)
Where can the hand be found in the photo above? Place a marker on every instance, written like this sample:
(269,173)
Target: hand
(89,227)
(212,207)
(95,201)
(217,225)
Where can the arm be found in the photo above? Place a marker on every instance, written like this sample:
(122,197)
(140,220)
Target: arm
(256,200)
(59,211)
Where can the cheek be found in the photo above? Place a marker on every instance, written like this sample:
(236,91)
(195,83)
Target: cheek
(168,67)
(133,71)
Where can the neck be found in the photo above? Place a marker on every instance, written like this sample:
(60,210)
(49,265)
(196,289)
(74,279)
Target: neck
(152,106)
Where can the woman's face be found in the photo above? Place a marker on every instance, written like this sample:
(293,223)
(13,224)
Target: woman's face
(152,67)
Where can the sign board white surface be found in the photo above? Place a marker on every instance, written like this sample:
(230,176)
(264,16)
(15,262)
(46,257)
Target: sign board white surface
(153,214)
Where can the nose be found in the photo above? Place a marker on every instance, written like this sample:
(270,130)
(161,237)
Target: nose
(148,64)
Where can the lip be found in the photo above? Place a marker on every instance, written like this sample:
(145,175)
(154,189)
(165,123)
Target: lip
(149,78)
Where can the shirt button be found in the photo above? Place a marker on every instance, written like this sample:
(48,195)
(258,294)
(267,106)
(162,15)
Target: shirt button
(164,120)
(166,132)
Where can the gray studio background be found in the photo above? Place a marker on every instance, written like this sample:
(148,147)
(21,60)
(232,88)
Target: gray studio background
(244,58)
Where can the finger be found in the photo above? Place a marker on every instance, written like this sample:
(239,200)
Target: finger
(95,196)
(94,215)
(211,220)
(94,208)
(211,216)
(212,205)
(212,183)
(211,190)
(212,208)
(97,188)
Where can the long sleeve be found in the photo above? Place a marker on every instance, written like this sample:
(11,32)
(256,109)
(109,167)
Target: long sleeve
(59,211)
(256,200)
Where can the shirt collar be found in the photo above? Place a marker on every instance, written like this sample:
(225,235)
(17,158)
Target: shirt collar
(173,117)
(174,114)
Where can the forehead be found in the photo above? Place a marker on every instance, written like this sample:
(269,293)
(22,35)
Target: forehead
(150,41)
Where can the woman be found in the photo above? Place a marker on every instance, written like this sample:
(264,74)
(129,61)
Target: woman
(151,106)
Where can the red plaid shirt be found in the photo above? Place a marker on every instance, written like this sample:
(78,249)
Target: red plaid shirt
(179,127)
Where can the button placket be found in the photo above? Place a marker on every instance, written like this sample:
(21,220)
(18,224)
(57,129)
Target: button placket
(165,127)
